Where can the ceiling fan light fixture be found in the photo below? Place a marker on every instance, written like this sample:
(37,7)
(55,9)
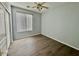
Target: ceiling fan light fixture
(39,6)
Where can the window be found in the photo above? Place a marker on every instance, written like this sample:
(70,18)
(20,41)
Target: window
(24,22)
(2,24)
(29,22)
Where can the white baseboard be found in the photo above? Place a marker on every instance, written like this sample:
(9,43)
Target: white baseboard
(35,34)
(62,42)
(28,36)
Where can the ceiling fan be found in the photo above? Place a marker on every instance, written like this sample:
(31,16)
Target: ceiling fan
(39,6)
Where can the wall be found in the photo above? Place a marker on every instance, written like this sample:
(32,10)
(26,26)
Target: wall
(23,5)
(36,23)
(61,22)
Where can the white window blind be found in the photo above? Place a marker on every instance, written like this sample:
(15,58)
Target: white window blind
(24,22)
(29,22)
(2,24)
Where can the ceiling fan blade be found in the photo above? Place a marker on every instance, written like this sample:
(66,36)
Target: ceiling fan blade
(44,7)
(35,3)
(38,5)
(34,6)
(42,3)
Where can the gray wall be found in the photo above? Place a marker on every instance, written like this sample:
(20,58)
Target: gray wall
(36,23)
(61,22)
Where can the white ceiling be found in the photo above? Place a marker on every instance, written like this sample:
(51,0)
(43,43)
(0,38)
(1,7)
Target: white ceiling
(25,4)
(49,4)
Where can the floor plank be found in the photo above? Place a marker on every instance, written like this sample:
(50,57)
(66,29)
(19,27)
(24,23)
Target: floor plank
(40,45)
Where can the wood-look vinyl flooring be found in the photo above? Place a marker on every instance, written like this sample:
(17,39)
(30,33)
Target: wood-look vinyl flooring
(40,45)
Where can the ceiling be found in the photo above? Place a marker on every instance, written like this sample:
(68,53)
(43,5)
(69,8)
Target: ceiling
(48,4)
(25,4)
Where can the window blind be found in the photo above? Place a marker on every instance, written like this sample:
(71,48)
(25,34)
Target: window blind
(23,22)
